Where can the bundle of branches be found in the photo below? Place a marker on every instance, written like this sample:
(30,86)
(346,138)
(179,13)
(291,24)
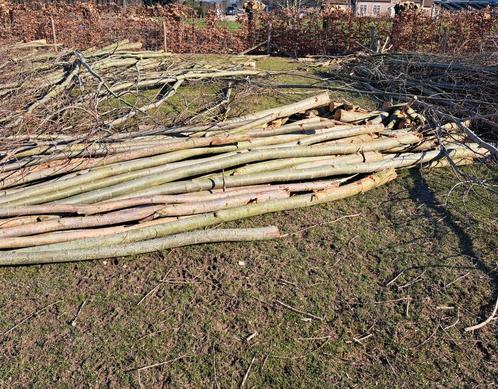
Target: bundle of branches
(157,191)
(43,90)
(445,88)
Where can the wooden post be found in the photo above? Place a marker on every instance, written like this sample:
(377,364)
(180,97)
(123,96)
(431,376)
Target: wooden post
(165,37)
(444,40)
(268,42)
(373,38)
(250,26)
(54,36)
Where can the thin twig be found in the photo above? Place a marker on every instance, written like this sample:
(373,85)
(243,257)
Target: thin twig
(242,385)
(319,225)
(73,322)
(299,311)
(31,315)
(139,369)
(485,322)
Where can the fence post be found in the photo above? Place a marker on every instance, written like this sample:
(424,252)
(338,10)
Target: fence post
(444,40)
(54,36)
(250,26)
(268,42)
(165,37)
(373,38)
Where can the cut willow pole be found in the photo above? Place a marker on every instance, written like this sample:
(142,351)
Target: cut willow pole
(83,209)
(296,163)
(317,101)
(69,223)
(52,190)
(107,206)
(19,221)
(19,242)
(122,250)
(305,125)
(135,214)
(291,174)
(82,167)
(208,204)
(337,134)
(255,123)
(226,215)
(355,116)
(303,138)
(46,170)
(255,193)
(300,125)
(38,210)
(215,205)
(144,183)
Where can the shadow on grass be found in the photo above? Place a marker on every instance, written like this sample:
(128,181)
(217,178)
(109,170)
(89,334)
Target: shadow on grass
(422,193)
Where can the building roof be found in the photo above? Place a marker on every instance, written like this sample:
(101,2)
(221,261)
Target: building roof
(466,4)
(337,2)
(424,3)
(348,2)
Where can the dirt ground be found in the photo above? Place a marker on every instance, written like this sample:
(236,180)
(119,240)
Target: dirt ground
(374,290)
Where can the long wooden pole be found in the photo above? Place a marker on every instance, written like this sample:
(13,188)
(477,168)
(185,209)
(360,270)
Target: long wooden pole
(54,35)
(165,37)
(178,240)
(226,215)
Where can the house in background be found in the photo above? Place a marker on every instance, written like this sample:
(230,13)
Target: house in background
(465,5)
(377,7)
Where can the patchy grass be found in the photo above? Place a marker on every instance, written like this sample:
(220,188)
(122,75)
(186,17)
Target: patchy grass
(231,25)
(214,313)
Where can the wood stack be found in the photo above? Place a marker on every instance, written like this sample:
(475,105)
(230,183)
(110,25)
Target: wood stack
(68,198)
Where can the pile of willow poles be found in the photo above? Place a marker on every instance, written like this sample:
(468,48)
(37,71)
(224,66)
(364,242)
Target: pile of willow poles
(445,86)
(47,89)
(63,199)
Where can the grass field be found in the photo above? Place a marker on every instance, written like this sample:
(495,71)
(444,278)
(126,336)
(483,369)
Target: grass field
(231,25)
(375,290)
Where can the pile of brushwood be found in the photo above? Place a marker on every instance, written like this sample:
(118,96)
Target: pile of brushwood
(48,89)
(442,87)
(62,200)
